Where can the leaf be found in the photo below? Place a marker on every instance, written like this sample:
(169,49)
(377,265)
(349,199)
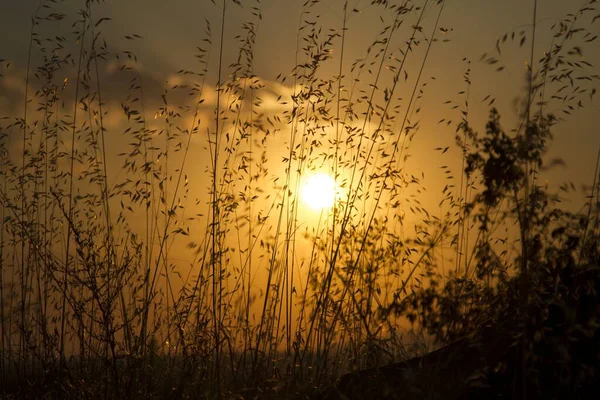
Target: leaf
(101,20)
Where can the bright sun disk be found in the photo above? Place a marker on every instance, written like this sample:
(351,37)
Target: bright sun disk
(318,192)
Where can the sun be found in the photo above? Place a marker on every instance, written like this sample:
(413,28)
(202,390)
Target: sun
(318,192)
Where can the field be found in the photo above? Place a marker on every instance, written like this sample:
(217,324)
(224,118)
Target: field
(359,210)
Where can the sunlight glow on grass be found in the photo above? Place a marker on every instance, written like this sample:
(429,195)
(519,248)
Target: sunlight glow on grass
(318,192)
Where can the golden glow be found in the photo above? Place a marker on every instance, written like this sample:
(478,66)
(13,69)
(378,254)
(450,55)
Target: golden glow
(318,191)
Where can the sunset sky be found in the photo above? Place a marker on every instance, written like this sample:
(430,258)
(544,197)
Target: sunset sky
(172,30)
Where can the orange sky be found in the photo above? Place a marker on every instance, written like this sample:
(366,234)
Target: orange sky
(172,30)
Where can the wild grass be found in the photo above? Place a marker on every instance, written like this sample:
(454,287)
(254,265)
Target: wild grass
(153,240)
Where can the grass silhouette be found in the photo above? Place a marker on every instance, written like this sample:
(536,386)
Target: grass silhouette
(154,243)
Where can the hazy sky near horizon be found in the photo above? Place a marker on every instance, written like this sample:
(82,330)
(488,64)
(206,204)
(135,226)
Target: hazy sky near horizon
(172,30)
